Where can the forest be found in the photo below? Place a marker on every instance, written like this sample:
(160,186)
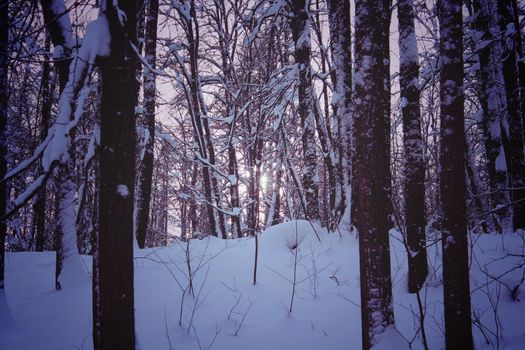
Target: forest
(263,174)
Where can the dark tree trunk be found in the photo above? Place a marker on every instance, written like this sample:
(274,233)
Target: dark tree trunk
(216,194)
(331,210)
(39,206)
(341,47)
(95,233)
(415,220)
(480,205)
(521,60)
(494,105)
(146,165)
(456,286)
(192,34)
(233,170)
(300,24)
(60,30)
(370,167)
(254,161)
(513,141)
(4,54)
(58,24)
(115,324)
(193,203)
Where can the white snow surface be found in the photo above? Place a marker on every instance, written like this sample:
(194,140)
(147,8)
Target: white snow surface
(325,313)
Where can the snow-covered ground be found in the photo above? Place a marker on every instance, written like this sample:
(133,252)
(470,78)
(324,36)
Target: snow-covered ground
(226,311)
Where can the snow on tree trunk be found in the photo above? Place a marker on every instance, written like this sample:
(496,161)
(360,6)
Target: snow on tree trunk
(59,26)
(452,178)
(300,24)
(72,80)
(340,45)
(414,166)
(69,269)
(513,131)
(114,321)
(481,205)
(145,171)
(370,167)
(199,123)
(39,206)
(494,104)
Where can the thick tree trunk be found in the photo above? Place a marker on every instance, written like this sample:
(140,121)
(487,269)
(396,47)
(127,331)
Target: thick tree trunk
(370,167)
(300,24)
(142,205)
(115,324)
(513,138)
(415,220)
(95,232)
(4,55)
(456,285)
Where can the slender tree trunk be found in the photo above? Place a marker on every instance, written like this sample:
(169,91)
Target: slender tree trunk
(370,168)
(233,170)
(114,323)
(415,219)
(60,30)
(481,206)
(520,61)
(456,285)
(215,192)
(59,26)
(513,131)
(39,206)
(300,24)
(494,104)
(95,234)
(341,47)
(142,205)
(192,34)
(193,203)
(331,210)
(274,216)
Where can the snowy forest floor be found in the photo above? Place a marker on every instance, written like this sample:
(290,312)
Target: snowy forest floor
(228,312)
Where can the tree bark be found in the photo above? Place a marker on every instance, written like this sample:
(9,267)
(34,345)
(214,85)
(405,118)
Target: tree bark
(341,47)
(114,325)
(415,220)
(39,206)
(456,287)
(145,170)
(59,26)
(300,24)
(370,167)
(60,30)
(4,56)
(494,104)
(513,135)
(192,34)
